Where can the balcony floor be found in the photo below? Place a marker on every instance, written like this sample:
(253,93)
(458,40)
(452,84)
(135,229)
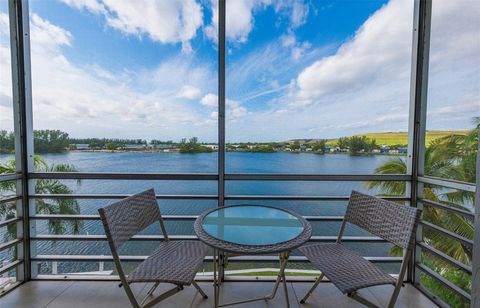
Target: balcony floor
(93,294)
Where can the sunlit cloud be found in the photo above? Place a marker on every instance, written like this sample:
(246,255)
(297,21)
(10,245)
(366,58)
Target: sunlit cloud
(173,21)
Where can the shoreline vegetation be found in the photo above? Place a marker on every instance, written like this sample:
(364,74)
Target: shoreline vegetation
(388,143)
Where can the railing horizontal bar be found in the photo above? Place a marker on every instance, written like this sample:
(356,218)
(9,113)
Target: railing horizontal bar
(97,217)
(302,198)
(447,183)
(447,233)
(10,221)
(9,244)
(9,177)
(10,266)
(443,280)
(350,239)
(315,177)
(445,257)
(259,258)
(198,278)
(117,196)
(214,177)
(165,217)
(9,199)
(100,237)
(212,197)
(122,176)
(447,208)
(93,258)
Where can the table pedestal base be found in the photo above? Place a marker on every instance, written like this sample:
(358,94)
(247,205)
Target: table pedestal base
(218,265)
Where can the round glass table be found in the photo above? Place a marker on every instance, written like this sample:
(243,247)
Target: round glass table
(251,229)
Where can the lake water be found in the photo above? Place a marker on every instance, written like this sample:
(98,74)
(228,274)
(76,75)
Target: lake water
(207,163)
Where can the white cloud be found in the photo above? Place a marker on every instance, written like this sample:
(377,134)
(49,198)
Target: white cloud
(234,109)
(48,36)
(240,16)
(189,92)
(239,19)
(210,100)
(172,21)
(296,10)
(378,51)
(93,6)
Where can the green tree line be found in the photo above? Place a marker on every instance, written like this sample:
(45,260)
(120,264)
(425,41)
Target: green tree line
(192,146)
(357,145)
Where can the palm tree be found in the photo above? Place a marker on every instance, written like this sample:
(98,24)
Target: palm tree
(451,157)
(44,206)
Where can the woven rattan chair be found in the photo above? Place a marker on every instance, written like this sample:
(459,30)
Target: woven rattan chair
(347,270)
(174,262)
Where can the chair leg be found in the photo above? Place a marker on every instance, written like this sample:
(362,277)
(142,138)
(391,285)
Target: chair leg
(153,288)
(163,296)
(150,292)
(319,279)
(199,289)
(395,294)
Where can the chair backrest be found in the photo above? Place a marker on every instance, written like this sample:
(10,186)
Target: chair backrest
(391,221)
(125,218)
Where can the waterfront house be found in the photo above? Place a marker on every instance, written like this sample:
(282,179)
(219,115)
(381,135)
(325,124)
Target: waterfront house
(384,150)
(82,146)
(134,147)
(212,146)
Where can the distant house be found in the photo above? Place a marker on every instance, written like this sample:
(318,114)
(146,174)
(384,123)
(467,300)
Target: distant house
(303,148)
(384,150)
(211,146)
(376,151)
(402,150)
(327,149)
(308,150)
(134,147)
(162,146)
(82,146)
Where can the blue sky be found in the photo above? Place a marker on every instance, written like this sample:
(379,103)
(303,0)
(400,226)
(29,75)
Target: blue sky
(295,69)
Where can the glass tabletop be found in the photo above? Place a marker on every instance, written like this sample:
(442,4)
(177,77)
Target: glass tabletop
(252,225)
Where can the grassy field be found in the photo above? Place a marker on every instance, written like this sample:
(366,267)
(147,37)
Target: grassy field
(393,138)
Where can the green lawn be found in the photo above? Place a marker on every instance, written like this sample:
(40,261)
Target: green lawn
(394,138)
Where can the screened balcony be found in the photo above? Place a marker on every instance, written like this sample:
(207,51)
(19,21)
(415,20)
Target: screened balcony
(53,249)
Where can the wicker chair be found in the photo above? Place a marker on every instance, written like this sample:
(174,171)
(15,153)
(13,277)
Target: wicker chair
(174,262)
(348,271)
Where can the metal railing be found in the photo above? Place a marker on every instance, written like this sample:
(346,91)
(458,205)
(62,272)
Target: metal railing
(422,246)
(196,177)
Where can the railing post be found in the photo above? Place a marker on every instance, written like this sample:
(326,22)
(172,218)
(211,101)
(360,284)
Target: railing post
(23,123)
(476,242)
(221,113)
(221,103)
(418,112)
